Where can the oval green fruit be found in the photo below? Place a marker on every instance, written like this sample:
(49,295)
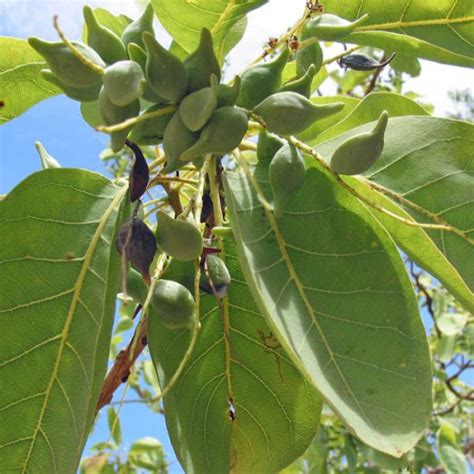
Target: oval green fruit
(215,277)
(151,131)
(267,146)
(124,82)
(138,54)
(113,114)
(301,85)
(81,94)
(133,33)
(286,173)
(202,63)
(260,81)
(358,153)
(197,108)
(101,39)
(173,304)
(227,95)
(136,287)
(287,113)
(222,134)
(177,139)
(65,66)
(178,238)
(329,27)
(165,72)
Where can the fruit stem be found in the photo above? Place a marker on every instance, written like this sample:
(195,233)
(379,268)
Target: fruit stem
(86,61)
(341,55)
(134,120)
(197,290)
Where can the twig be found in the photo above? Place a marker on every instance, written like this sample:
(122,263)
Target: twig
(120,371)
(134,120)
(309,150)
(197,292)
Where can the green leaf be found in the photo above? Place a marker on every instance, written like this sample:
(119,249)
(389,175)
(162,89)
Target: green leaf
(325,275)
(429,163)
(234,366)
(114,425)
(21,84)
(416,243)
(441,31)
(184,20)
(148,453)
(367,110)
(60,274)
(320,126)
(451,457)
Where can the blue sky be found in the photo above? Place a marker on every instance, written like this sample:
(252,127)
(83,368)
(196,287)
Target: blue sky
(57,123)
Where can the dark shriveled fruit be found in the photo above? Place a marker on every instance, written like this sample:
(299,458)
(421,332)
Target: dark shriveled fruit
(138,242)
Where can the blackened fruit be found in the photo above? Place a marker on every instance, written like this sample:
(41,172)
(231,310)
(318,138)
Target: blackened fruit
(139,244)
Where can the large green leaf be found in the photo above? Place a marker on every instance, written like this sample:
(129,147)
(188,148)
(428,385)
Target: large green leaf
(334,289)
(276,410)
(416,243)
(21,84)
(59,277)
(440,30)
(367,110)
(428,161)
(184,20)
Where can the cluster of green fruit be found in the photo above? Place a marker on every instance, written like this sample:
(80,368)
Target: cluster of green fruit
(198,116)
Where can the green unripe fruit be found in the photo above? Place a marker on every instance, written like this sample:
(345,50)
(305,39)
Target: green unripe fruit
(287,113)
(165,72)
(302,85)
(113,114)
(101,39)
(329,27)
(136,287)
(215,277)
(151,131)
(197,108)
(178,238)
(227,95)
(65,66)
(177,139)
(124,82)
(81,94)
(202,63)
(267,146)
(222,134)
(261,81)
(173,304)
(286,173)
(133,33)
(358,153)
(307,56)
(137,54)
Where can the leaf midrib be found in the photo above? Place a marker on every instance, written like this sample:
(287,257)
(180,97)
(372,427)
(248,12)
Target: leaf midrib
(65,333)
(412,24)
